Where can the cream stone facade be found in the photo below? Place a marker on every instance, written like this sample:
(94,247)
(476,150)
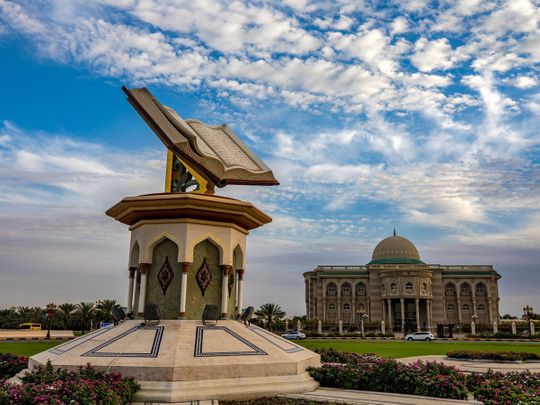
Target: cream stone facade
(400,289)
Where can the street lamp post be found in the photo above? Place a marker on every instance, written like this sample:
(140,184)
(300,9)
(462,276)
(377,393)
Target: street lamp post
(50,313)
(362,316)
(473,324)
(528,315)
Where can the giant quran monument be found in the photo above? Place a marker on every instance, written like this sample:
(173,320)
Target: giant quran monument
(183,339)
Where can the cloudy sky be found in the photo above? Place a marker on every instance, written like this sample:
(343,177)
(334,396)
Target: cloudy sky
(417,115)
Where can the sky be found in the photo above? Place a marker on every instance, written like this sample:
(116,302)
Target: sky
(417,115)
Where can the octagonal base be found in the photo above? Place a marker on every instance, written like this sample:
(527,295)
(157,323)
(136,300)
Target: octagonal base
(184,360)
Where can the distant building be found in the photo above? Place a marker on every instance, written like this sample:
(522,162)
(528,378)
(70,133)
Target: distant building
(399,288)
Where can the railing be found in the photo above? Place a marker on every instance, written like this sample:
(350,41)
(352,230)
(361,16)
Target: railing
(352,268)
(461,267)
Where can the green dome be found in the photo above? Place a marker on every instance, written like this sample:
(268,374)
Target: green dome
(395,249)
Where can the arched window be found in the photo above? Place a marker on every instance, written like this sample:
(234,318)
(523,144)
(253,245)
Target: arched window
(346,289)
(409,289)
(465,289)
(450,289)
(480,289)
(331,306)
(331,289)
(481,307)
(466,307)
(393,288)
(450,307)
(346,306)
(360,289)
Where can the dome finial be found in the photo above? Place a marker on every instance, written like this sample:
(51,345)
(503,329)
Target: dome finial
(394,231)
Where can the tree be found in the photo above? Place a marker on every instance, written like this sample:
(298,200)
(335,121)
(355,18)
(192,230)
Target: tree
(85,312)
(270,313)
(65,313)
(34,314)
(105,310)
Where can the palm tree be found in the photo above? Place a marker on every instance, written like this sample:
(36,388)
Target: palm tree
(105,309)
(270,313)
(65,312)
(86,312)
(34,314)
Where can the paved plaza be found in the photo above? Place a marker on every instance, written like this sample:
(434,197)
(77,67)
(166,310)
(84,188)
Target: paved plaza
(373,398)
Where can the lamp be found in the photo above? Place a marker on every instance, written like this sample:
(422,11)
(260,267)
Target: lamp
(50,313)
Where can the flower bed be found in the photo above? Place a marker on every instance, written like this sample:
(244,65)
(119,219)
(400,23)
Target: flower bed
(493,388)
(497,356)
(372,373)
(11,365)
(44,385)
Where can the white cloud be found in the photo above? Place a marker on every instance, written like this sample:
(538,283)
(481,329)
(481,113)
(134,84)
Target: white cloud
(433,55)
(399,25)
(525,82)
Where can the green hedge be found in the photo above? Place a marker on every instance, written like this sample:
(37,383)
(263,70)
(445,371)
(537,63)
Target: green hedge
(501,356)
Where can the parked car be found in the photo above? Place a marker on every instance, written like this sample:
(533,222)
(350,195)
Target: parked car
(423,336)
(293,335)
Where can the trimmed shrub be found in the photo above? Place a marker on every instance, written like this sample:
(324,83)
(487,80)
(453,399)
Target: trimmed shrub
(494,388)
(373,373)
(11,364)
(501,356)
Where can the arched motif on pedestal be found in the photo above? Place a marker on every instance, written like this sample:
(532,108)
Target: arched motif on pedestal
(149,248)
(218,243)
(205,278)
(164,278)
(238,257)
(134,255)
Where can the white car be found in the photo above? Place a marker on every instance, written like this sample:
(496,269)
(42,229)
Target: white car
(293,335)
(423,336)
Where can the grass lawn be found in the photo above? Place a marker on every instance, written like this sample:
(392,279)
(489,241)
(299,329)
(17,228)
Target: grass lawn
(27,348)
(393,349)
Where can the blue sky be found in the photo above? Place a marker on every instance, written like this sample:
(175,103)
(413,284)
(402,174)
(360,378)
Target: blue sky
(414,114)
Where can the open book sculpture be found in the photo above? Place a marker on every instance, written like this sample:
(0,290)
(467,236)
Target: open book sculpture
(213,153)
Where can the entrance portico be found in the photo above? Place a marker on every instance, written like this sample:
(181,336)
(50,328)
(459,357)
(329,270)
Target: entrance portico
(408,314)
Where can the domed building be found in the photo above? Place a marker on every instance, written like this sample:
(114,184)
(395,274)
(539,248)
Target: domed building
(397,287)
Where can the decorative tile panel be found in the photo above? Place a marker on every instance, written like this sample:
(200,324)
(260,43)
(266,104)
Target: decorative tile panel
(165,275)
(199,340)
(204,276)
(154,349)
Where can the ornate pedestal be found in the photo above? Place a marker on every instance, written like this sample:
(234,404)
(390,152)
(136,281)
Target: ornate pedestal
(188,250)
